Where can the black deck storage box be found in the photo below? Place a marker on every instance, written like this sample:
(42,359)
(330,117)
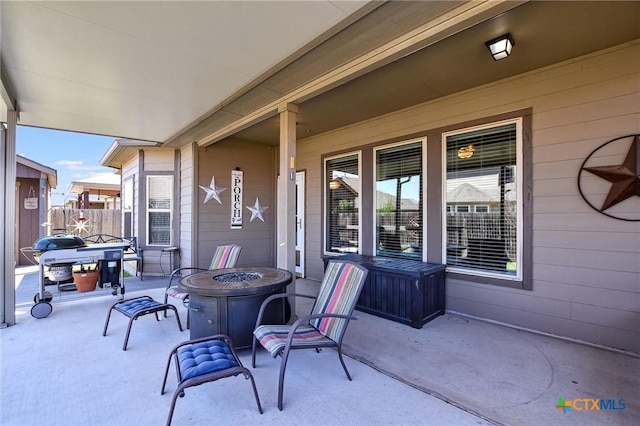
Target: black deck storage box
(406,291)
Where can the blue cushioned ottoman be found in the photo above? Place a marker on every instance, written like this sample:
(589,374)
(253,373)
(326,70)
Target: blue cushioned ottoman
(137,307)
(204,360)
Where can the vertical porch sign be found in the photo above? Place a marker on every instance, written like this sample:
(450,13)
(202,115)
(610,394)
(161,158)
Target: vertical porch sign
(236,199)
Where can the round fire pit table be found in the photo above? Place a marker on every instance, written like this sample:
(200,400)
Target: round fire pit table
(227,301)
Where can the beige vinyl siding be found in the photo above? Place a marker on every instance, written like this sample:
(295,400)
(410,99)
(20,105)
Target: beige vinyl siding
(131,168)
(586,266)
(259,167)
(159,160)
(187,190)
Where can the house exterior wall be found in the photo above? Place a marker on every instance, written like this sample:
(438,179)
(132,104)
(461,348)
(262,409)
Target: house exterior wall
(187,202)
(259,166)
(158,162)
(145,163)
(586,266)
(131,170)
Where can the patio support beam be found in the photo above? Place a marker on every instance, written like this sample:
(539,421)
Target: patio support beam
(287,189)
(8,213)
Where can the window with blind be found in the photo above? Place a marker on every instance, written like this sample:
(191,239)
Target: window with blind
(398,200)
(342,204)
(159,209)
(126,198)
(483,210)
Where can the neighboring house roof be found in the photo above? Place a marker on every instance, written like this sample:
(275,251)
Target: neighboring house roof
(52,174)
(485,190)
(107,184)
(386,198)
(382,197)
(467,193)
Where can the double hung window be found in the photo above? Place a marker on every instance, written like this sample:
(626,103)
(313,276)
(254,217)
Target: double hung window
(398,200)
(342,204)
(159,209)
(127,207)
(483,200)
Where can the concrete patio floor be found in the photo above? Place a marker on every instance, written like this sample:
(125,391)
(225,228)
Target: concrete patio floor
(454,371)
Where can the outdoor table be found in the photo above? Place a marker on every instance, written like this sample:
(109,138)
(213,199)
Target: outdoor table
(227,301)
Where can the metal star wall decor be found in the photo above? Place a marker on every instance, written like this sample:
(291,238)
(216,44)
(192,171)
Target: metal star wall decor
(256,211)
(624,178)
(212,191)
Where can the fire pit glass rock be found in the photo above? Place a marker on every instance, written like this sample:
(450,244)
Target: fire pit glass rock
(237,277)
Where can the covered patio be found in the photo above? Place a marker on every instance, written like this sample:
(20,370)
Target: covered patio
(284,86)
(455,370)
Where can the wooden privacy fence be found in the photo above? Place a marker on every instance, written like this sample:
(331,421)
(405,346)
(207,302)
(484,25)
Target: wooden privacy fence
(95,221)
(461,227)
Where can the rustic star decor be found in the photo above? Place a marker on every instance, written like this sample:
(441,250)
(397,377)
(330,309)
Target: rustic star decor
(256,211)
(212,191)
(624,178)
(80,225)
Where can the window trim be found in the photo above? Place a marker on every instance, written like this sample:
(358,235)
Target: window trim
(374,197)
(521,279)
(325,205)
(149,210)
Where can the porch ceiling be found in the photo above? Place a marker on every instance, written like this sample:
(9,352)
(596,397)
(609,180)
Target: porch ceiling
(179,72)
(145,70)
(544,32)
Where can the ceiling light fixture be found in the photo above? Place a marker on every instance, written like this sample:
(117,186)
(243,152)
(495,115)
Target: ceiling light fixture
(500,47)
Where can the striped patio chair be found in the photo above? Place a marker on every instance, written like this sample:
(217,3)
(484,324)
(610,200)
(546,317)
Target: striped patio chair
(324,327)
(225,256)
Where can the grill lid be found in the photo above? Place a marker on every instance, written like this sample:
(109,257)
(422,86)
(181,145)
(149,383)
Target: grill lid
(57,242)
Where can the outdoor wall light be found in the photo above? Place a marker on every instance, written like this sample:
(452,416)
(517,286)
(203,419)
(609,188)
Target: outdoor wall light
(334,184)
(466,151)
(500,47)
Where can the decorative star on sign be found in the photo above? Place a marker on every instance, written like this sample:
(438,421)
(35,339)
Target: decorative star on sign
(624,178)
(212,191)
(256,211)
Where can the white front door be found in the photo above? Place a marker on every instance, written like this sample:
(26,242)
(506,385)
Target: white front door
(300,224)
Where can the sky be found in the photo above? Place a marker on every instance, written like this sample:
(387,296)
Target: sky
(74,156)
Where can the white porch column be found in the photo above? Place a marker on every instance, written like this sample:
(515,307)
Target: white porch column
(287,189)
(8,219)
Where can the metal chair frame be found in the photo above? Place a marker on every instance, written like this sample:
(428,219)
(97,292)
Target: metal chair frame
(305,320)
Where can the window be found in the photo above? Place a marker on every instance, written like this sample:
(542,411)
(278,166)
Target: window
(127,207)
(398,200)
(482,167)
(159,209)
(342,204)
